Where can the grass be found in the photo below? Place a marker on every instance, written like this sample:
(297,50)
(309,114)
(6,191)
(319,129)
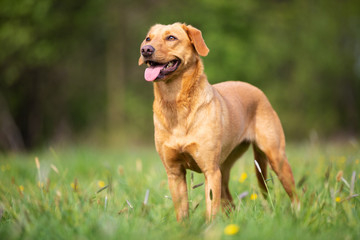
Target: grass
(89,193)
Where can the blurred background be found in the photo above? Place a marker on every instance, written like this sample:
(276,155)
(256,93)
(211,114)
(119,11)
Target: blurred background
(68,69)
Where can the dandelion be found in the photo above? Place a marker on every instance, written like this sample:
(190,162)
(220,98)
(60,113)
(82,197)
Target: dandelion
(337,199)
(40,184)
(357,161)
(253,196)
(101,184)
(21,188)
(243,177)
(231,229)
(72,185)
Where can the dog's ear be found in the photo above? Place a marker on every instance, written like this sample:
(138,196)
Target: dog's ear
(197,40)
(141,60)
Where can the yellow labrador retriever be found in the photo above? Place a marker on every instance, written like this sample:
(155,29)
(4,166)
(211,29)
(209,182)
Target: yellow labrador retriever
(203,127)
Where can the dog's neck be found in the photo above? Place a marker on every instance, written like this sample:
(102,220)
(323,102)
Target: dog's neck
(182,88)
(180,97)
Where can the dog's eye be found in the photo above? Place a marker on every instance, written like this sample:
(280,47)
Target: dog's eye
(147,39)
(171,38)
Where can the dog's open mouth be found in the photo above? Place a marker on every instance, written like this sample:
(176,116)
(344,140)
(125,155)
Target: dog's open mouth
(157,70)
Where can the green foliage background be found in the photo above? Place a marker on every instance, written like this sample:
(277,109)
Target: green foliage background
(68,69)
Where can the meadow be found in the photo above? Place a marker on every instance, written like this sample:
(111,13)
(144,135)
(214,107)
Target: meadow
(84,192)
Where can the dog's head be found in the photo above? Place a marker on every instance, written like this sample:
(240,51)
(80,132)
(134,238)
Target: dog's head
(169,49)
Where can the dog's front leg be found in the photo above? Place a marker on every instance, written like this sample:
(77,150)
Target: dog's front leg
(208,162)
(212,192)
(178,189)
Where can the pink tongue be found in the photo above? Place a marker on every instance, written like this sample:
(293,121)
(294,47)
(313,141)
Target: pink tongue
(151,73)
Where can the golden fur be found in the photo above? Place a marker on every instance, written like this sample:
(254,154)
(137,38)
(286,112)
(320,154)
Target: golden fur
(206,128)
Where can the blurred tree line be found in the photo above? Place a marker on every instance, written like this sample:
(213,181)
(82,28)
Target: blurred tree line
(68,69)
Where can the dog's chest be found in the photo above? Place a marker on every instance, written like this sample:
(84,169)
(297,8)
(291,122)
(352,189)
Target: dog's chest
(180,145)
(176,137)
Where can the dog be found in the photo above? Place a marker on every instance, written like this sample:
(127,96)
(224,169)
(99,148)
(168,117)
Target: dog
(203,127)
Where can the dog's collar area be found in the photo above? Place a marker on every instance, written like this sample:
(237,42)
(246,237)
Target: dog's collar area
(157,70)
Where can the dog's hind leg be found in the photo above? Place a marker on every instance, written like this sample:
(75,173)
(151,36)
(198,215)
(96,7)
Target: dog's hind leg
(281,167)
(270,141)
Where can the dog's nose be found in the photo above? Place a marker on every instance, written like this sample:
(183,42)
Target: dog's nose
(147,50)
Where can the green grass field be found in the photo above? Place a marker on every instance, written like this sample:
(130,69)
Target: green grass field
(89,193)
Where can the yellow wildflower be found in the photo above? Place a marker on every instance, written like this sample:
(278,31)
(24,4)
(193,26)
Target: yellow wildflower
(101,184)
(357,161)
(231,229)
(253,196)
(337,199)
(243,177)
(21,188)
(74,186)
